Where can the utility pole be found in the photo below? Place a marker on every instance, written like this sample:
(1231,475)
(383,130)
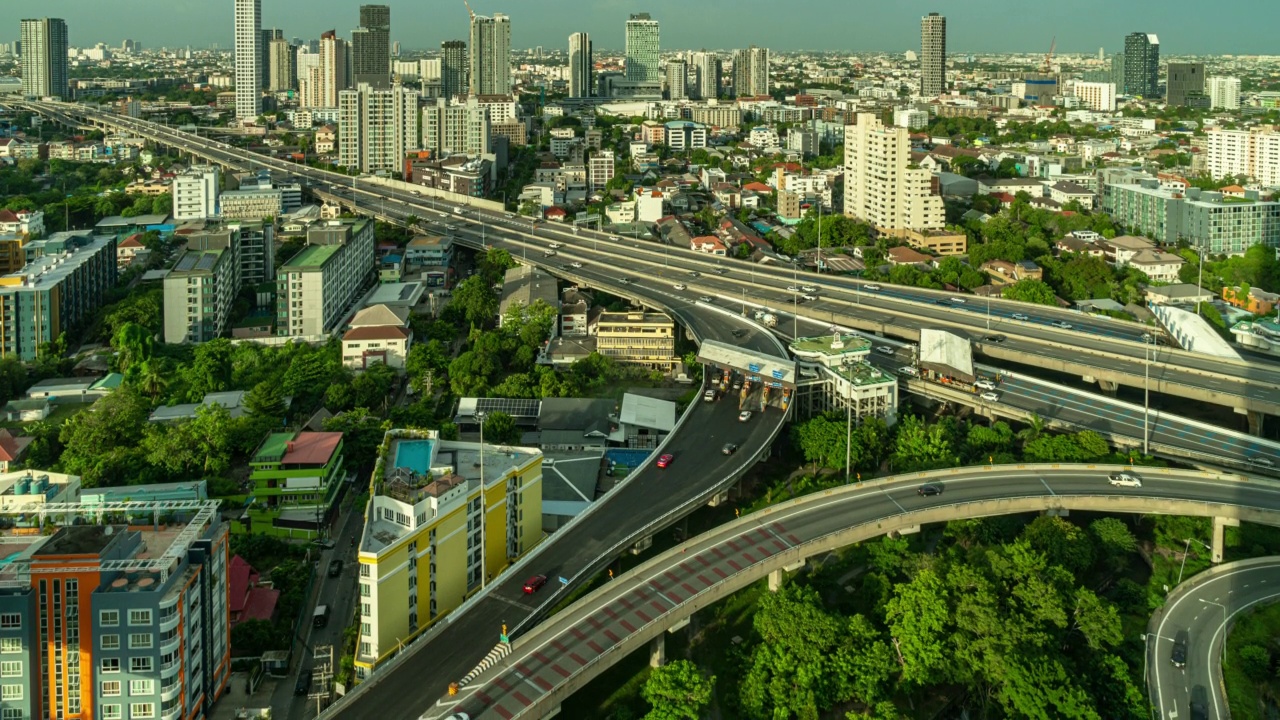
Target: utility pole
(483,568)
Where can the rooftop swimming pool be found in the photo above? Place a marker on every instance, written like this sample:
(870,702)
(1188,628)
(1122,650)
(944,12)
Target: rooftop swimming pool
(414,455)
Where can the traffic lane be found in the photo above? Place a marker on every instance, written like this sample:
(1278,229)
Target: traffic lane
(1171,687)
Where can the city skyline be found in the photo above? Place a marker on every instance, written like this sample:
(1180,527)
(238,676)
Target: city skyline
(979,27)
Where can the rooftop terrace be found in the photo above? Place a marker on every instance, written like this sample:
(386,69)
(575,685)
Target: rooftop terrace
(861,374)
(831,345)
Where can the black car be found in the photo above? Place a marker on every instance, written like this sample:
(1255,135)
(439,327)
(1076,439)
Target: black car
(1179,654)
(994,338)
(929,490)
(304,683)
(335,568)
(729,449)
(1199,703)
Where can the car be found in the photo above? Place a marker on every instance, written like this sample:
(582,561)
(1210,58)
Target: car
(555,246)
(737,384)
(459,716)
(809,288)
(994,338)
(884,350)
(665,460)
(335,568)
(729,449)
(792,289)
(1061,324)
(1179,653)
(442,214)
(694,274)
(303,684)
(810,298)
(705,298)
(709,395)
(680,286)
(549,253)
(722,271)
(1020,316)
(625,281)
(940,301)
(872,288)
(1261,461)
(990,396)
(576,265)
(1124,479)
(985,385)
(535,583)
(929,490)
(414,192)
(615,238)
(956,300)
(744,416)
(1147,337)
(1199,703)
(909,370)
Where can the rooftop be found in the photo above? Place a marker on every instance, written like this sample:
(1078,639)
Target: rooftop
(862,374)
(831,345)
(312,257)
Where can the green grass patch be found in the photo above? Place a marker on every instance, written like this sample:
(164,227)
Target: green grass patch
(57,415)
(1250,678)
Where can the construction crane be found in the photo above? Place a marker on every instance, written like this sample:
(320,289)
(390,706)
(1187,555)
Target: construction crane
(473,12)
(1048,58)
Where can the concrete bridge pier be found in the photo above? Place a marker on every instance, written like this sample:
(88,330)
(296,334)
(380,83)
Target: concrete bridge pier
(1057,512)
(1108,387)
(642,544)
(1256,421)
(1220,524)
(658,651)
(775,580)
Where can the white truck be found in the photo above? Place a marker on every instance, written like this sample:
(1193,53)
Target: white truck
(769,320)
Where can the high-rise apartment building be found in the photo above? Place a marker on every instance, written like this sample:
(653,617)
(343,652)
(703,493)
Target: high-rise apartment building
(677,79)
(282,73)
(456,129)
(315,287)
(879,187)
(377,127)
(706,75)
(371,48)
(1206,220)
(195,193)
(44,58)
(264,71)
(600,169)
(751,72)
(1224,93)
(331,75)
(1253,153)
(201,288)
(1142,65)
(1098,96)
(248,58)
(642,49)
(580,65)
(63,283)
(490,55)
(1185,84)
(453,68)
(933,55)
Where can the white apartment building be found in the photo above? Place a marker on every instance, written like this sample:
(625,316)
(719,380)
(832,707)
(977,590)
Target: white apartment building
(1224,92)
(878,186)
(457,129)
(251,205)
(195,193)
(910,118)
(376,128)
(1097,96)
(316,287)
(248,58)
(600,169)
(1254,152)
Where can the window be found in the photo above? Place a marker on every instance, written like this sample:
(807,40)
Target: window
(109,618)
(140,641)
(111,712)
(10,692)
(142,711)
(110,665)
(111,688)
(142,687)
(11,668)
(110,642)
(139,617)
(10,645)
(10,621)
(140,664)
(11,714)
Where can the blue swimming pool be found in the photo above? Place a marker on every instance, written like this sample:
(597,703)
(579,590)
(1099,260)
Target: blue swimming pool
(414,454)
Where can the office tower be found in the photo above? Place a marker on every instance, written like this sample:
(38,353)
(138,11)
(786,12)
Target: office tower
(264,75)
(1117,72)
(1142,65)
(1224,93)
(248,58)
(933,55)
(642,49)
(879,187)
(751,72)
(307,70)
(371,48)
(706,75)
(456,129)
(1185,84)
(453,68)
(376,127)
(677,79)
(1097,95)
(490,55)
(315,287)
(44,58)
(195,193)
(580,65)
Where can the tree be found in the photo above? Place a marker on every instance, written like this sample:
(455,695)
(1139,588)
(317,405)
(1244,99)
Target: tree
(476,300)
(918,621)
(822,442)
(362,433)
(266,400)
(102,444)
(920,446)
(1062,543)
(500,429)
(134,343)
(677,691)
(153,377)
(1113,537)
(1031,291)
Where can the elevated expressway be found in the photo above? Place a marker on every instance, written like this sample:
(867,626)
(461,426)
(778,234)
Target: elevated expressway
(569,649)
(1110,352)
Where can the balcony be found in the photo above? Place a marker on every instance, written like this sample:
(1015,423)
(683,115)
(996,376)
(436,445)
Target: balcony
(171,690)
(170,668)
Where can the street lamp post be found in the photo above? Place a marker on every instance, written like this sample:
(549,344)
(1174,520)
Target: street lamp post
(818,267)
(1146,396)
(1224,627)
(483,568)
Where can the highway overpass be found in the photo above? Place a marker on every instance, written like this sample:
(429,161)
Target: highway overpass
(567,650)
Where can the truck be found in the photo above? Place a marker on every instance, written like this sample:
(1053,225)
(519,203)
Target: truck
(320,617)
(457,211)
(769,320)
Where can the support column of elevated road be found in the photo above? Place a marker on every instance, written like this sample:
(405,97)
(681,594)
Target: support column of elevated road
(1220,525)
(658,651)
(1108,387)
(1256,421)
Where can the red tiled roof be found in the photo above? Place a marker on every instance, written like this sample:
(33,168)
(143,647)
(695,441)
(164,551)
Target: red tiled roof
(757,187)
(261,604)
(132,241)
(240,577)
(376,332)
(8,216)
(556,211)
(11,448)
(312,448)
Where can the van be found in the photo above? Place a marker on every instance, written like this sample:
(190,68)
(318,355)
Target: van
(709,396)
(320,617)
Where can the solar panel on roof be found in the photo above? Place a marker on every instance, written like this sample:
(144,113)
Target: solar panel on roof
(515,407)
(185,263)
(207,262)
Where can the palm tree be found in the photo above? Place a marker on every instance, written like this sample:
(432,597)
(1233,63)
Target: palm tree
(411,221)
(152,380)
(1035,427)
(134,343)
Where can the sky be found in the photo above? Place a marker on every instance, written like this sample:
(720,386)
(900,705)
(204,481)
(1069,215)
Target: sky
(1241,27)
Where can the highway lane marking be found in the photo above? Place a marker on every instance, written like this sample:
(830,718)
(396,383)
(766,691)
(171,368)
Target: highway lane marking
(1210,655)
(513,603)
(1046,487)
(892,499)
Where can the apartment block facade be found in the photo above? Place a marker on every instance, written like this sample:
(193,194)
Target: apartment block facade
(376,128)
(251,205)
(880,187)
(1207,220)
(456,129)
(57,290)
(201,288)
(1254,153)
(296,477)
(638,338)
(195,193)
(315,287)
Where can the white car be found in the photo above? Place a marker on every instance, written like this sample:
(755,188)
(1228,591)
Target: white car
(1124,479)
(680,286)
(809,297)
(1061,324)
(792,288)
(744,416)
(909,370)
(555,246)
(549,253)
(956,300)
(575,265)
(991,396)
(884,349)
(872,288)
(809,288)
(1020,316)
(985,385)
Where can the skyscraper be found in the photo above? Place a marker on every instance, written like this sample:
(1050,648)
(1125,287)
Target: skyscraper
(677,79)
(642,49)
(580,66)
(706,75)
(933,55)
(371,47)
(1142,65)
(264,71)
(44,58)
(751,72)
(490,55)
(453,68)
(282,73)
(333,74)
(376,127)
(879,185)
(248,58)
(1185,84)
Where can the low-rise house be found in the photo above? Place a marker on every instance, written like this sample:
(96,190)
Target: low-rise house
(1003,272)
(709,244)
(1158,265)
(295,477)
(907,256)
(378,335)
(1255,300)
(1064,192)
(248,598)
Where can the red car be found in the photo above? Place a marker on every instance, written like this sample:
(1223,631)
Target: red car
(532,585)
(665,460)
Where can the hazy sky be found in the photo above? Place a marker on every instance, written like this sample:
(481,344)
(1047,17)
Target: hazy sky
(1184,26)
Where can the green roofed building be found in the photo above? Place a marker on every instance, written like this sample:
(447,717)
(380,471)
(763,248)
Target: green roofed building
(316,287)
(296,477)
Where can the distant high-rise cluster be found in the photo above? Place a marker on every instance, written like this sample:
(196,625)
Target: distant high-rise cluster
(706,75)
(751,72)
(264,57)
(1142,65)
(677,79)
(44,58)
(490,55)
(248,58)
(642,49)
(933,55)
(580,65)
